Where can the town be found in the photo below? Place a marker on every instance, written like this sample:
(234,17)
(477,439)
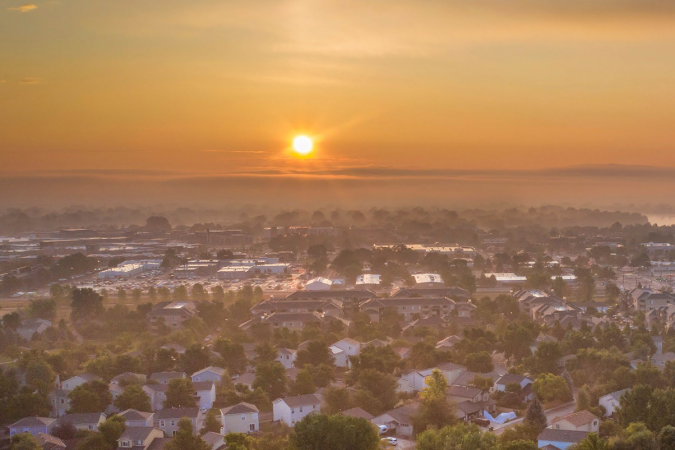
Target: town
(518,329)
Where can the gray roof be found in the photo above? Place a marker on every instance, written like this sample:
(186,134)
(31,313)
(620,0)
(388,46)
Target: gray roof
(211,438)
(239,408)
(301,400)
(132,414)
(81,418)
(158,443)
(176,413)
(337,294)
(549,434)
(358,413)
(203,385)
(136,433)
(464,391)
(167,375)
(509,378)
(217,370)
(33,422)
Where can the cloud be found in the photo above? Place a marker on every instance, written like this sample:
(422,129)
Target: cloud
(31,81)
(24,8)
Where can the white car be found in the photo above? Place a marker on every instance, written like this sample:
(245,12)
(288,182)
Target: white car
(390,440)
(383,429)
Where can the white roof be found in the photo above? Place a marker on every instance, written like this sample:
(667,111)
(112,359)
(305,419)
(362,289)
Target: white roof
(428,278)
(506,277)
(368,278)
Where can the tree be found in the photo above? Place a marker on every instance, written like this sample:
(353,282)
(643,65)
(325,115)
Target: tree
(86,304)
(336,399)
(196,358)
(233,355)
(480,362)
(133,397)
(520,444)
(434,410)
(64,430)
(592,442)
(381,386)
(549,387)
(90,397)
(112,429)
(157,224)
(583,399)
(317,352)
(462,436)
(40,375)
(304,382)
(42,309)
(535,415)
(180,394)
(94,441)
(25,441)
(211,422)
(265,352)
(271,378)
(322,432)
(666,438)
(184,439)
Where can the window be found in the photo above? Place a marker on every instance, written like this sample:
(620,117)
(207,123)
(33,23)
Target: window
(173,433)
(62,401)
(301,409)
(125,444)
(292,410)
(91,427)
(161,423)
(173,423)
(243,417)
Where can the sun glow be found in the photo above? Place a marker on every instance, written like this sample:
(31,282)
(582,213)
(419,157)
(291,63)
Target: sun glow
(303,145)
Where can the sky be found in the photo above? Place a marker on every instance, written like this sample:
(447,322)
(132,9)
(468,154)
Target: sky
(423,93)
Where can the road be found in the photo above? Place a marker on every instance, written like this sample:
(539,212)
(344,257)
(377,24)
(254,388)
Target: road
(560,410)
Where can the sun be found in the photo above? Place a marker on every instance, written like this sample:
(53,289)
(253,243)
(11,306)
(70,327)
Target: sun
(303,145)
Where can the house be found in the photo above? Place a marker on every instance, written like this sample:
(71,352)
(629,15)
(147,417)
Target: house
(134,418)
(648,299)
(428,280)
(83,421)
(454,293)
(331,307)
(611,401)
(214,440)
(33,425)
(357,412)
(167,419)
(78,380)
(511,378)
(340,358)
(240,418)
(129,378)
(245,379)
(205,393)
(471,402)
(30,327)
(398,419)
(211,373)
(447,343)
(165,377)
(560,439)
(349,298)
(434,322)
(59,401)
(351,347)
(466,378)
(368,281)
(577,421)
(416,381)
(49,442)
(157,395)
(293,409)
(115,390)
(411,308)
(139,438)
(286,357)
(171,314)
(318,284)
(660,359)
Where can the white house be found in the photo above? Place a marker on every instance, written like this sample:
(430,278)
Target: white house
(167,419)
(139,437)
(318,284)
(415,381)
(157,395)
(32,425)
(292,409)
(211,373)
(240,418)
(512,378)
(60,402)
(577,421)
(133,418)
(350,346)
(205,392)
(611,401)
(286,357)
(78,380)
(339,356)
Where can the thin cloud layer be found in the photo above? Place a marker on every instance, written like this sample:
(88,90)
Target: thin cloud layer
(24,8)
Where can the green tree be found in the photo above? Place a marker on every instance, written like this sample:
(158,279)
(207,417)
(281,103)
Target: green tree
(304,382)
(133,397)
(40,375)
(462,436)
(25,441)
(549,387)
(180,394)
(666,438)
(265,352)
(322,432)
(90,397)
(317,352)
(196,358)
(381,386)
(271,378)
(535,415)
(211,422)
(94,441)
(184,439)
(592,442)
(233,355)
(86,304)
(583,399)
(435,410)
(337,399)
(480,362)
(42,309)
(521,444)
(112,429)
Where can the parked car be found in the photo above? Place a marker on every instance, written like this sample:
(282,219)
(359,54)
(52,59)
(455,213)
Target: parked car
(383,429)
(390,440)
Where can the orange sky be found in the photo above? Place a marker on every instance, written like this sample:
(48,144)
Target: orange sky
(221,86)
